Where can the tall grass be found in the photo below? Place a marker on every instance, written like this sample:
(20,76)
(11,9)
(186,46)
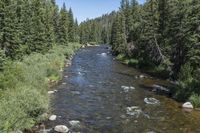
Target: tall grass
(24,85)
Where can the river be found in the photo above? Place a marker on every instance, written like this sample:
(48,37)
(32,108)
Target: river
(92,92)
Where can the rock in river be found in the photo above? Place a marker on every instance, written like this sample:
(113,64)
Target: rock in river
(61,129)
(151,101)
(127,88)
(51,92)
(188,105)
(133,111)
(160,89)
(74,123)
(52,117)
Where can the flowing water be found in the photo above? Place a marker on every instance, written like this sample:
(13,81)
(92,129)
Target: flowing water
(93,95)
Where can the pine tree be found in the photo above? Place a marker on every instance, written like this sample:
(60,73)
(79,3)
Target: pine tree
(76,29)
(71,29)
(55,19)
(118,37)
(12,29)
(39,36)
(63,26)
(49,24)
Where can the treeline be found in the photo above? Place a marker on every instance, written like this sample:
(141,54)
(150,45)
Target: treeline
(97,30)
(163,35)
(28,26)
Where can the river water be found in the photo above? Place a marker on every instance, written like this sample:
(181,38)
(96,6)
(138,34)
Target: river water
(93,95)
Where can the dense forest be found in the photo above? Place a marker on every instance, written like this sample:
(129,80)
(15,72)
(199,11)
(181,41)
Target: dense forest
(161,35)
(34,26)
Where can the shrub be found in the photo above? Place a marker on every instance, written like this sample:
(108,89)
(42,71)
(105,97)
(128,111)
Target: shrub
(185,86)
(120,57)
(195,100)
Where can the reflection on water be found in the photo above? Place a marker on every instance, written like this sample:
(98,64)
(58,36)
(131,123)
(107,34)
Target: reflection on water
(95,95)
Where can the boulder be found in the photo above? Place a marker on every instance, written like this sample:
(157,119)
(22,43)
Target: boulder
(52,117)
(188,105)
(61,129)
(151,101)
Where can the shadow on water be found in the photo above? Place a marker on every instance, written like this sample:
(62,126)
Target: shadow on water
(93,95)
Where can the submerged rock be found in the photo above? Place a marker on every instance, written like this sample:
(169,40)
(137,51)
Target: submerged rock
(127,88)
(188,105)
(133,111)
(61,129)
(160,89)
(103,54)
(74,123)
(142,76)
(151,101)
(52,117)
(76,92)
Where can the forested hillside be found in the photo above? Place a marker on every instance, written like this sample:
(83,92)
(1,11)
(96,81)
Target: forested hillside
(163,36)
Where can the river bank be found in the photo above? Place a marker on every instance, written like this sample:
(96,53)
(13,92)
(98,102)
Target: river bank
(24,86)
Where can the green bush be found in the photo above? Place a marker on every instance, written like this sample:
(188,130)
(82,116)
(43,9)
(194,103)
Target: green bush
(120,57)
(24,86)
(185,86)
(195,100)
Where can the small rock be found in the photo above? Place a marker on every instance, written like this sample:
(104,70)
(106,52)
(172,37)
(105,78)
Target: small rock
(55,90)
(151,101)
(66,76)
(108,118)
(74,123)
(188,105)
(61,129)
(132,88)
(127,88)
(76,92)
(103,54)
(51,92)
(142,76)
(52,117)
(123,116)
(64,83)
(133,111)
(160,89)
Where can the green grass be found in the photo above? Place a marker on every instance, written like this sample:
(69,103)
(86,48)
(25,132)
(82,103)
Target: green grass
(24,85)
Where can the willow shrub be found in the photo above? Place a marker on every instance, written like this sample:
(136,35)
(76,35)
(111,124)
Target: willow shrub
(24,85)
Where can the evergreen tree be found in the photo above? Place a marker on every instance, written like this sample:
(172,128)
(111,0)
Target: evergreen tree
(39,33)
(63,26)
(71,29)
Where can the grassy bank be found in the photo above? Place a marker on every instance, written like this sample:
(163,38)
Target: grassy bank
(24,85)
